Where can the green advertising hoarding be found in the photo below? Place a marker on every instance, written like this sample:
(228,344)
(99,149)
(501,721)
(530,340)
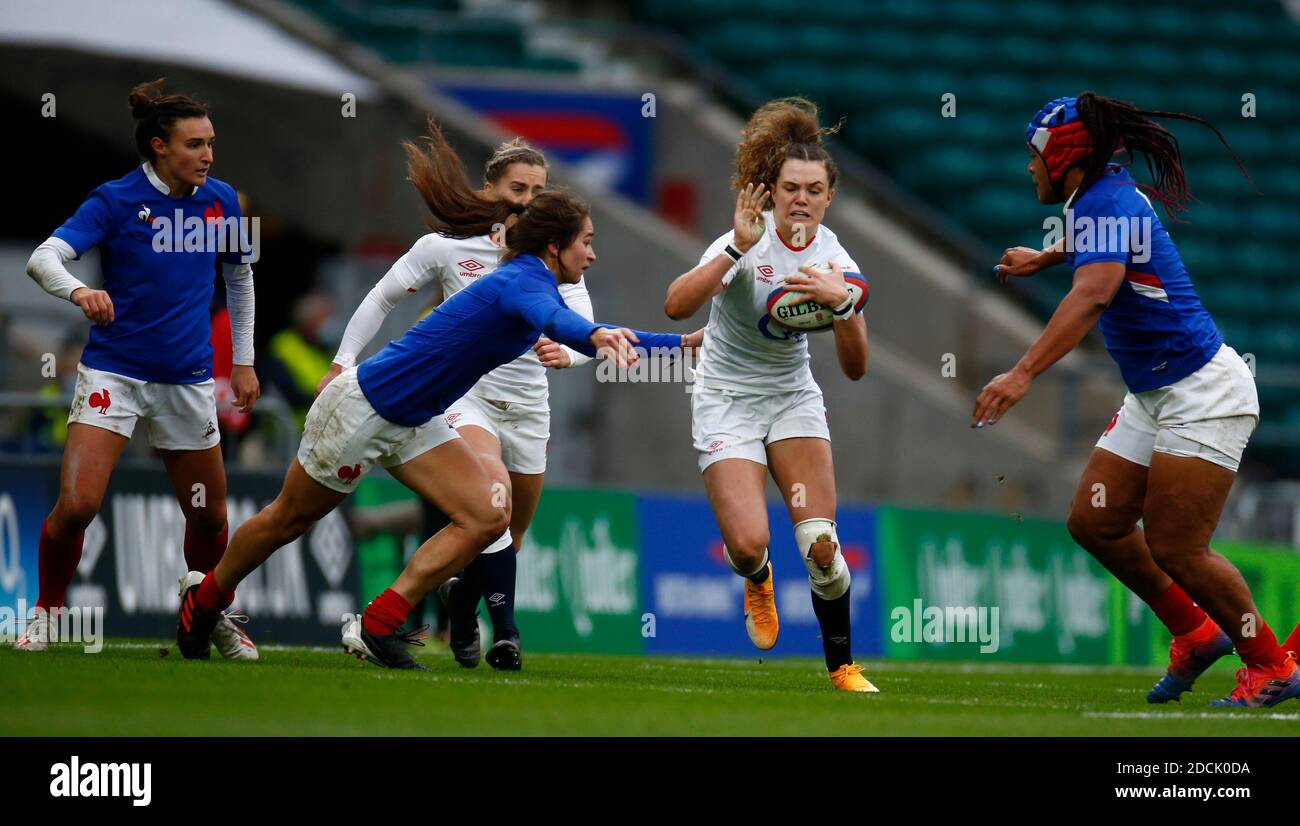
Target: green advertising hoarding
(578,586)
(975,586)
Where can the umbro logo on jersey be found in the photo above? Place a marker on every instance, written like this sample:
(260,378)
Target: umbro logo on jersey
(451,419)
(715,446)
(765,273)
(470,268)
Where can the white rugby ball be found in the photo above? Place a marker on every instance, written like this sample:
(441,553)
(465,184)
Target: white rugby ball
(792,310)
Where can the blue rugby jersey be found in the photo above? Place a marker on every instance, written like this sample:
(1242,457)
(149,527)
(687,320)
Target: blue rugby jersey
(490,322)
(161,329)
(1155,328)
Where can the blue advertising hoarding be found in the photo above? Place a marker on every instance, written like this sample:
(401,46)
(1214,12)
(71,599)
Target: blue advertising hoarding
(25,499)
(602,136)
(697,600)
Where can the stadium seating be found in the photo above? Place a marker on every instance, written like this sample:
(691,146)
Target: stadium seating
(435,32)
(885,65)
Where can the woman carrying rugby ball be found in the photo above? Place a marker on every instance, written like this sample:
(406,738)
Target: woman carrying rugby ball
(755,404)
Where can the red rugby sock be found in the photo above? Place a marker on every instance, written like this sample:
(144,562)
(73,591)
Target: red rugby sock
(1177,611)
(1261,649)
(211,598)
(1293,641)
(57,564)
(386,613)
(203,551)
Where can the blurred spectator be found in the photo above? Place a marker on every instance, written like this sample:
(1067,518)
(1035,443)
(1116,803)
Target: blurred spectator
(299,356)
(48,427)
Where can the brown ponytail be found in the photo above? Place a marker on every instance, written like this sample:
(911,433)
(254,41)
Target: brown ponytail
(157,113)
(781,130)
(551,217)
(458,210)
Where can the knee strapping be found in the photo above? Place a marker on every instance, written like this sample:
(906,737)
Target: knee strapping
(828,574)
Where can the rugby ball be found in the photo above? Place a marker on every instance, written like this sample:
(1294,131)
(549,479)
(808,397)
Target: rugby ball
(785,308)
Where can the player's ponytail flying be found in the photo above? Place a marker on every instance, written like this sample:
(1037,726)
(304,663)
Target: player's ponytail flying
(458,211)
(552,217)
(1117,124)
(779,130)
(157,113)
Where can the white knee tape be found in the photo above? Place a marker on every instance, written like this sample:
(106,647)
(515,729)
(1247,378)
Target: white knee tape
(727,555)
(829,581)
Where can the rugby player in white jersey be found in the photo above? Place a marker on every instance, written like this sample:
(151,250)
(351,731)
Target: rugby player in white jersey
(756,406)
(505,418)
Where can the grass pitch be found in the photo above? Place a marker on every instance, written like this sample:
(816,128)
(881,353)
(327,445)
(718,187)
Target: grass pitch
(131,688)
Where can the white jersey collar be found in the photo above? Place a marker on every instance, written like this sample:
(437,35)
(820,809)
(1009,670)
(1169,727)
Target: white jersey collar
(158,182)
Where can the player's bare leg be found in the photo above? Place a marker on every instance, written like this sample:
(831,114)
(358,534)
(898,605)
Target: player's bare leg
(804,471)
(1104,517)
(198,479)
(1185,496)
(89,457)
(499,580)
(450,477)
(1104,521)
(301,503)
(735,489)
(461,594)
(526,492)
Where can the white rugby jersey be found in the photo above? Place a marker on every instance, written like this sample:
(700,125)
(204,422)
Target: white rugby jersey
(744,350)
(456,263)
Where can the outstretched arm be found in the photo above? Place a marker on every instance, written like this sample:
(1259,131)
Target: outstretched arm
(1094,287)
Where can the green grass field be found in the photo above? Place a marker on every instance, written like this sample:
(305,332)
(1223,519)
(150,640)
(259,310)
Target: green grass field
(130,688)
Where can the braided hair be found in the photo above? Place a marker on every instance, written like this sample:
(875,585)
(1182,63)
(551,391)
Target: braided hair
(1117,124)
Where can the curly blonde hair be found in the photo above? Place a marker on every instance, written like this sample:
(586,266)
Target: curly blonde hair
(781,130)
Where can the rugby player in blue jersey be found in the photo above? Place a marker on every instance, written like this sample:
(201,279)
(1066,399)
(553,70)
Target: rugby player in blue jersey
(1170,454)
(389,408)
(149,356)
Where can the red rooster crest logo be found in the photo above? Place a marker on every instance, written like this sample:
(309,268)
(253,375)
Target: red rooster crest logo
(100,400)
(349,474)
(213,213)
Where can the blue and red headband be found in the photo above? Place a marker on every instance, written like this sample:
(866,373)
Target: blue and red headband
(1059,137)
